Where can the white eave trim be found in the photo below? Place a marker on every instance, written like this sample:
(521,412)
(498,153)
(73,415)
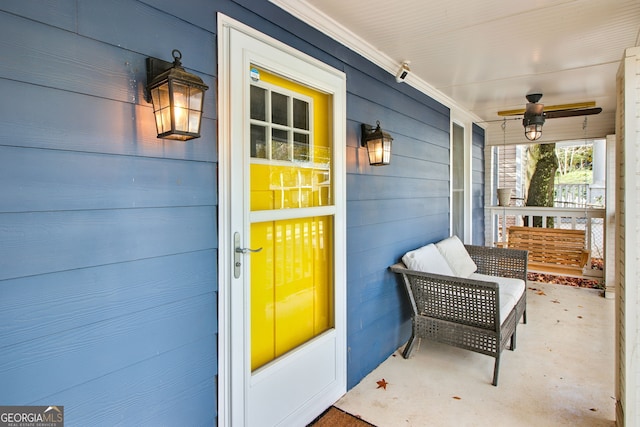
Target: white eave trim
(302,10)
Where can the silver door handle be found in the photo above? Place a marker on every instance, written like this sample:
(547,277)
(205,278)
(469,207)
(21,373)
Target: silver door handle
(237,252)
(247,250)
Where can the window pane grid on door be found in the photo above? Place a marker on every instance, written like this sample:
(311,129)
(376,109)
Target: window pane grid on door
(286,118)
(290,159)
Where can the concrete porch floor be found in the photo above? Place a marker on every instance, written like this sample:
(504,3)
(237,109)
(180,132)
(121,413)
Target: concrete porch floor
(561,373)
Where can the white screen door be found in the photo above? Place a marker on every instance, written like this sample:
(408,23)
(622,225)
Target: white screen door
(282,169)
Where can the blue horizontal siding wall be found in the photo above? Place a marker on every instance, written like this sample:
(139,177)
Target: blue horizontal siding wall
(108,236)
(390,210)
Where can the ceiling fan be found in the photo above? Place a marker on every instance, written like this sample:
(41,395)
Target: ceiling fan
(535,114)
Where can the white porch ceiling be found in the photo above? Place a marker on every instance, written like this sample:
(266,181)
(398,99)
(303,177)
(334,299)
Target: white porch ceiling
(485,56)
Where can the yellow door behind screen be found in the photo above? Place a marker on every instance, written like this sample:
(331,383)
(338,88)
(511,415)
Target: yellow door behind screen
(292,277)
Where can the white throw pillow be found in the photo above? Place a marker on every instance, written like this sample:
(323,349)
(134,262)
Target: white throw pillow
(427,259)
(453,250)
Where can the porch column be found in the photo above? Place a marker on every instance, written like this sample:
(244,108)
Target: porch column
(599,172)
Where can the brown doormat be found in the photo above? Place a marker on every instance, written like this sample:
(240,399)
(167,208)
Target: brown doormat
(334,417)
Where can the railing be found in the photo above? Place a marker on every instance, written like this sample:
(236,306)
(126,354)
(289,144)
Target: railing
(578,195)
(591,220)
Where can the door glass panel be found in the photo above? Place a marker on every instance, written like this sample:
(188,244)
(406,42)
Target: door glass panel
(291,292)
(258,141)
(279,109)
(300,114)
(280,144)
(292,277)
(301,147)
(258,103)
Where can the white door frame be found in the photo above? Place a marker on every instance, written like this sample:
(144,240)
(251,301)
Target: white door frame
(463,120)
(231,400)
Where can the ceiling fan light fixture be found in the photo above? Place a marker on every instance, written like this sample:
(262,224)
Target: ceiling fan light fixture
(533,126)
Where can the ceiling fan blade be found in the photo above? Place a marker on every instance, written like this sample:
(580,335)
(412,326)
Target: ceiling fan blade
(572,113)
(573,106)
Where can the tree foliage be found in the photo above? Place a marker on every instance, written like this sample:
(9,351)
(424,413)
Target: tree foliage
(543,159)
(574,157)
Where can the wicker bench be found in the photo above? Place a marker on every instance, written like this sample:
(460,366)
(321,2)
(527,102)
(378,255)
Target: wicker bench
(465,312)
(551,250)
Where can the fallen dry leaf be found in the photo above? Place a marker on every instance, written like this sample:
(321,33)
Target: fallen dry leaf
(382,384)
(594,409)
(457,397)
(579,317)
(555,301)
(541,293)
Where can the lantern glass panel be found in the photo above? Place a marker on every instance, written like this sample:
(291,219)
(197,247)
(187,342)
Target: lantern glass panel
(533,132)
(164,120)
(181,117)
(196,96)
(386,159)
(194,121)
(180,95)
(374,147)
(180,107)
(161,109)
(160,97)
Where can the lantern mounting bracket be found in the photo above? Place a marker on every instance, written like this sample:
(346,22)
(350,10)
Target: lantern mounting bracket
(155,67)
(366,130)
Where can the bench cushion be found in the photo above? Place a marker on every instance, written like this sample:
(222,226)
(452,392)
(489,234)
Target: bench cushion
(510,291)
(427,259)
(457,256)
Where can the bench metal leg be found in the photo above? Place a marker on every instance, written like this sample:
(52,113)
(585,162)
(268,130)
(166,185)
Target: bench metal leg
(496,366)
(409,347)
(512,345)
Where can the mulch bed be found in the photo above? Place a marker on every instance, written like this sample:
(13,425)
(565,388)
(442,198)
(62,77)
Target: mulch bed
(579,282)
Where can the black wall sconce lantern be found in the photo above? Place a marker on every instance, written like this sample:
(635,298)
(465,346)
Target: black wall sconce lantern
(177,97)
(378,144)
